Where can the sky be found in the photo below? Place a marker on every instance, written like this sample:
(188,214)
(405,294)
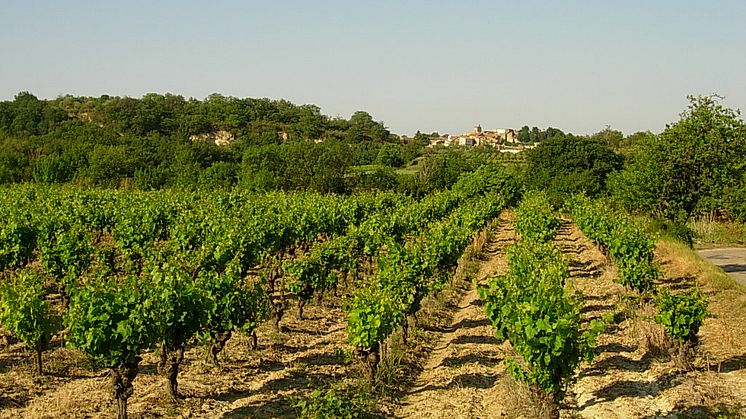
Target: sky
(432,65)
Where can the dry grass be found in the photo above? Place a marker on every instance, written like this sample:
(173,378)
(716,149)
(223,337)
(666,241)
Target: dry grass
(723,334)
(655,342)
(457,378)
(683,262)
(305,355)
(630,376)
(519,400)
(711,233)
(634,373)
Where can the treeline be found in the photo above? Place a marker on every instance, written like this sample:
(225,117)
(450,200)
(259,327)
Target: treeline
(536,135)
(258,121)
(694,167)
(166,140)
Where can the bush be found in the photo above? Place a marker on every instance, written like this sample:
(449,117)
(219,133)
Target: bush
(536,220)
(625,241)
(26,313)
(687,169)
(564,165)
(333,404)
(735,201)
(674,230)
(17,242)
(681,315)
(532,310)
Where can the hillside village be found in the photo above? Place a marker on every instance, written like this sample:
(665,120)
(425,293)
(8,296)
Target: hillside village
(505,139)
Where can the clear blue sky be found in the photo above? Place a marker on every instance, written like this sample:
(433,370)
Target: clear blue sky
(429,65)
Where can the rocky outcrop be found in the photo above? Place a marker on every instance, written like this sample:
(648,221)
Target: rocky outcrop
(220,138)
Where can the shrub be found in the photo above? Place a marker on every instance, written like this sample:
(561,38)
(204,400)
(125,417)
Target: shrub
(531,309)
(681,315)
(536,220)
(333,404)
(26,313)
(621,238)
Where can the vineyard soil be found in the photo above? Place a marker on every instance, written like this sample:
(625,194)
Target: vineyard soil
(248,383)
(459,375)
(454,367)
(632,376)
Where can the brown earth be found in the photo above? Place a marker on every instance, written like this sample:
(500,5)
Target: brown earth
(306,355)
(452,369)
(458,378)
(632,376)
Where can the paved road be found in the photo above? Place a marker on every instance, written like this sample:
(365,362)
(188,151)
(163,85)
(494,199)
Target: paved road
(732,260)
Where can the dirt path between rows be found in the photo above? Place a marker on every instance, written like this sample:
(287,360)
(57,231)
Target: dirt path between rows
(463,377)
(459,376)
(731,260)
(630,376)
(619,382)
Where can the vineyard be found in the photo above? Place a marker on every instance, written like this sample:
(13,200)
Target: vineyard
(237,304)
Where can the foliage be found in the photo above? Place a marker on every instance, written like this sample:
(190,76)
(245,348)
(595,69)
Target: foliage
(231,305)
(536,135)
(25,311)
(17,241)
(183,304)
(331,403)
(389,155)
(147,267)
(442,170)
(64,250)
(112,321)
(681,315)
(416,251)
(674,230)
(624,240)
(734,201)
(372,316)
(531,309)
(686,170)
(489,179)
(536,220)
(167,140)
(320,167)
(564,165)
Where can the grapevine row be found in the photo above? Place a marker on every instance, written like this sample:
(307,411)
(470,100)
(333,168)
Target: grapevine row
(408,271)
(626,242)
(533,308)
(631,249)
(159,271)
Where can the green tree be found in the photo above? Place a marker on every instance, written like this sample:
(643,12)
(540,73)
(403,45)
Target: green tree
(524,135)
(53,169)
(564,165)
(108,165)
(686,169)
(12,165)
(364,129)
(442,170)
(389,155)
(612,138)
(221,175)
